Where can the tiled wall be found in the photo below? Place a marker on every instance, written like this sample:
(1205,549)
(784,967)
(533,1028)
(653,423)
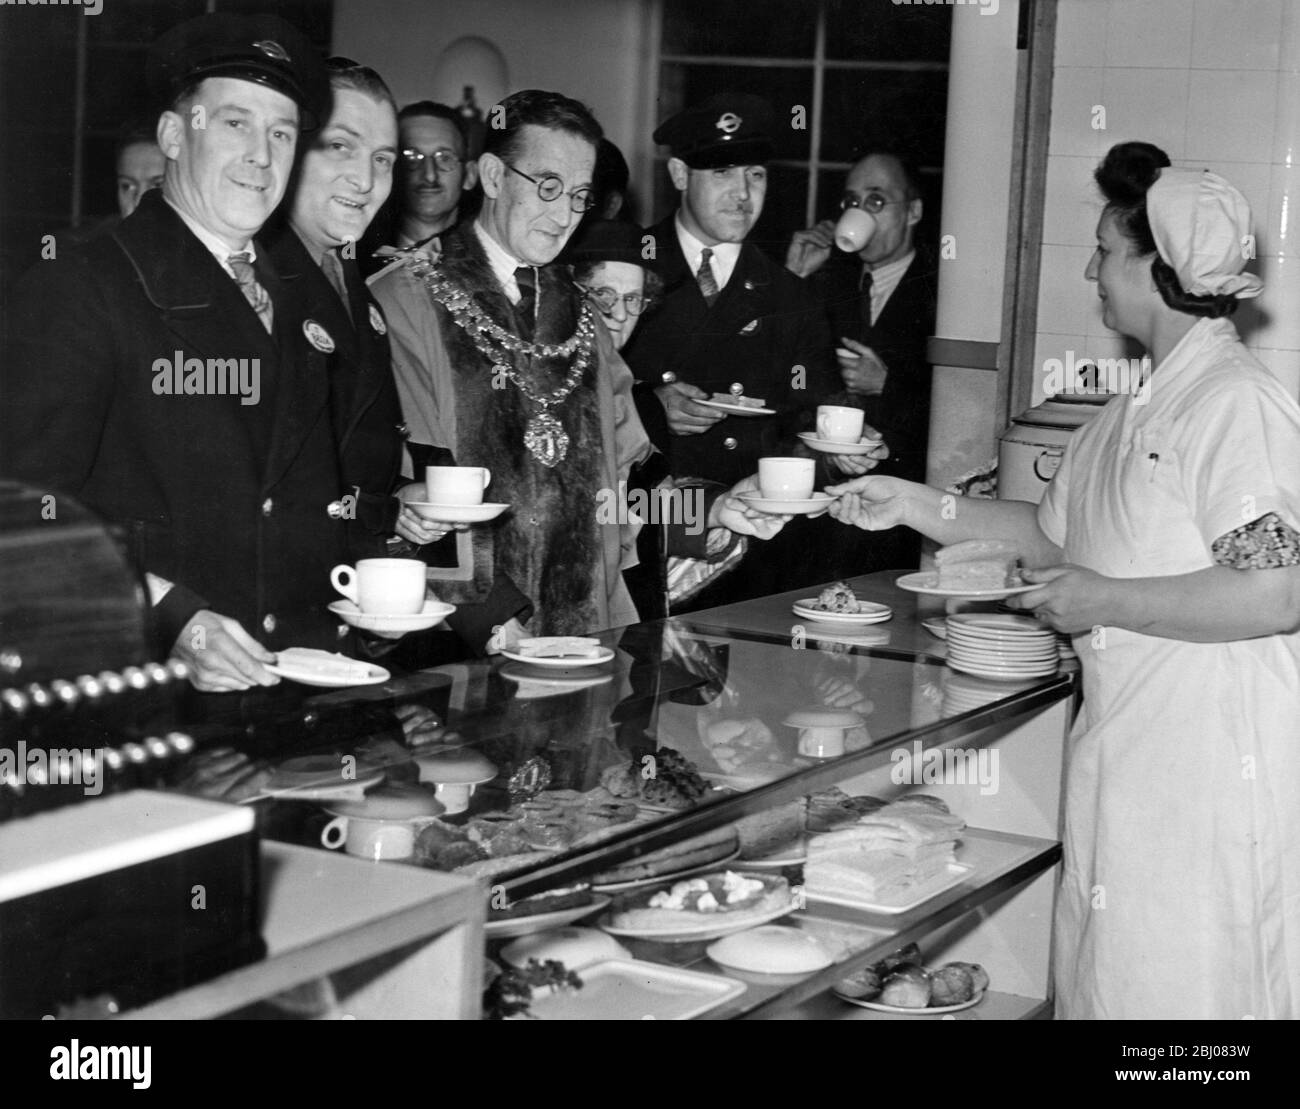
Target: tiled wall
(1216,84)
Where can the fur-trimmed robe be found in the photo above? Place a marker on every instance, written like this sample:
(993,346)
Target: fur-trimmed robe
(549,547)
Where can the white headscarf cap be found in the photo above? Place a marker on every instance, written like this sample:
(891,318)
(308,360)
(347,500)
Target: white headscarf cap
(1201,225)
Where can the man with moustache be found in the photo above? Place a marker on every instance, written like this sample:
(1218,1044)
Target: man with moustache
(501,363)
(436,173)
(881,302)
(225,504)
(730,321)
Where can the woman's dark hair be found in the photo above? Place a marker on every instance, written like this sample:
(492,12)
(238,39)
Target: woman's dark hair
(1125,175)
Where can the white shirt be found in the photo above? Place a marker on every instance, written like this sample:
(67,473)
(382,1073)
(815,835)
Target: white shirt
(503,264)
(218,249)
(723,262)
(884,280)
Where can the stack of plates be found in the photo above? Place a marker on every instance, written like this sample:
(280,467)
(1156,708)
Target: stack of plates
(963,694)
(993,645)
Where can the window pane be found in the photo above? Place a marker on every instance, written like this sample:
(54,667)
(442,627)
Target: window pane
(119,90)
(139,21)
(740,28)
(905,108)
(881,30)
(784,87)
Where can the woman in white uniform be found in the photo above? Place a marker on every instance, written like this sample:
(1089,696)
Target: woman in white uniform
(1168,544)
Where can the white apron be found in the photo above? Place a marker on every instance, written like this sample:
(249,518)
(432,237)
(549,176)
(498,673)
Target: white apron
(1180,895)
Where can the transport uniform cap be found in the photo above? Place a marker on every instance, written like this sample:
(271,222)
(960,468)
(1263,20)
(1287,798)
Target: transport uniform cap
(259,48)
(730,129)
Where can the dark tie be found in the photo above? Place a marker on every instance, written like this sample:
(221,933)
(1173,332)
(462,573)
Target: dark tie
(241,265)
(704,276)
(864,286)
(333,267)
(526,279)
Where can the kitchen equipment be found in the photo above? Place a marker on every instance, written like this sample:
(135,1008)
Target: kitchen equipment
(1031,449)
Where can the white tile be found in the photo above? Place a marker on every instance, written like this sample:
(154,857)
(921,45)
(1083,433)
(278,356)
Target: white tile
(1284,365)
(1279,227)
(1073,202)
(1081,32)
(1230,116)
(1236,34)
(1286,121)
(1076,93)
(1279,304)
(1150,34)
(1289,39)
(1066,299)
(1147,104)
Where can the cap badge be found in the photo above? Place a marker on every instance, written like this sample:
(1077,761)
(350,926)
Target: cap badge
(272,49)
(728,123)
(318,336)
(377,321)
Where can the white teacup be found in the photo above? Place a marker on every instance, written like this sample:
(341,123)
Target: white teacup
(839,424)
(786,479)
(372,839)
(821,743)
(383,586)
(854,230)
(456,484)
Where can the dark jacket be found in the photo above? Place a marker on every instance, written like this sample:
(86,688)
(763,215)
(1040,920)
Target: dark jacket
(764,324)
(227,500)
(365,412)
(899,337)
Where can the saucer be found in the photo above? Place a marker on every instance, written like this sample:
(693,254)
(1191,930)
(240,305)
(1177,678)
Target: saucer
(432,613)
(838,446)
(927,581)
(457,513)
(818,502)
(874,613)
(312,667)
(737,409)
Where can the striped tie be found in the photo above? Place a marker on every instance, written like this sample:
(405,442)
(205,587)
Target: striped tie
(241,265)
(704,275)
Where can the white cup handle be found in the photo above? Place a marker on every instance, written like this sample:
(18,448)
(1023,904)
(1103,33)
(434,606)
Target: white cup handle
(335,833)
(349,587)
(487,477)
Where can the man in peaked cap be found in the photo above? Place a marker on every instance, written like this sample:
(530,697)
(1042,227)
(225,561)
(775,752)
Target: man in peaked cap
(162,377)
(731,321)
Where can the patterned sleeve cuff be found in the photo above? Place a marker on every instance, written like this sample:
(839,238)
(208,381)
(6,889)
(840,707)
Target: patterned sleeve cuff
(1263,544)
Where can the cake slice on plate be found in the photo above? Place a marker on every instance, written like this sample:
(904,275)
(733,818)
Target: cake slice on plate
(978,564)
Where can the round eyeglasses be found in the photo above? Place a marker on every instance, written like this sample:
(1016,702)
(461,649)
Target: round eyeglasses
(605,298)
(552,188)
(875,203)
(445,160)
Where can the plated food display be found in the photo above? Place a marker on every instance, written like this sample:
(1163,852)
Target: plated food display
(565,652)
(702,907)
(838,604)
(901,984)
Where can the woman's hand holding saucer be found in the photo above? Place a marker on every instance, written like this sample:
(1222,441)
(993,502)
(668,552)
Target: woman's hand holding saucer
(1071,599)
(871,503)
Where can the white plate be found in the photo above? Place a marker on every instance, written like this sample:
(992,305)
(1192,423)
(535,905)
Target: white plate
(875,614)
(907,900)
(792,854)
(936,626)
(959,633)
(835,446)
(312,667)
(632,989)
(539,922)
(533,684)
(879,1008)
(457,513)
(433,613)
(671,876)
(755,965)
(1000,623)
(737,409)
(818,502)
(927,582)
(957,648)
(565,662)
(694,934)
(1003,675)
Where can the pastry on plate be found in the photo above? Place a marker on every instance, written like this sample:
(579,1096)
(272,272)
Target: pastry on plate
(701,902)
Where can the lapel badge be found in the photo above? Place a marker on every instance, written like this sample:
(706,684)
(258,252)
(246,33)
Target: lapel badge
(318,336)
(377,321)
(749,327)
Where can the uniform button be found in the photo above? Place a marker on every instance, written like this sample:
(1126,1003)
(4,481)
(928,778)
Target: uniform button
(334,510)
(268,623)
(729,443)
(267,505)
(737,389)
(668,377)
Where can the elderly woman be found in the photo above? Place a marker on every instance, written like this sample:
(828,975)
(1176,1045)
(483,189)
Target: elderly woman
(1167,544)
(606,260)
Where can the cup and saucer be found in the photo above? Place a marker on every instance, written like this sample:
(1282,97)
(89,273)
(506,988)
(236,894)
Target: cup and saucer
(456,496)
(387,595)
(786,488)
(839,431)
